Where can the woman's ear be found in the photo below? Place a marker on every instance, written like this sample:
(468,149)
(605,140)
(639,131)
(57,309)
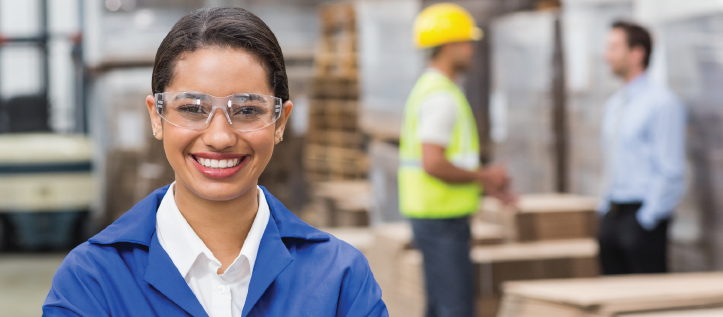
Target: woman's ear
(156,121)
(281,124)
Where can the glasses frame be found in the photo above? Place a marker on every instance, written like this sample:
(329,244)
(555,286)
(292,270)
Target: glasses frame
(160,101)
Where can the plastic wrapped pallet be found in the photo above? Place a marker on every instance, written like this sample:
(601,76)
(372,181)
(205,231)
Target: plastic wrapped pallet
(383,166)
(521,107)
(586,24)
(692,58)
(389,62)
(611,296)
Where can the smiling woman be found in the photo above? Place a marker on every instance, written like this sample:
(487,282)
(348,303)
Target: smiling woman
(214,243)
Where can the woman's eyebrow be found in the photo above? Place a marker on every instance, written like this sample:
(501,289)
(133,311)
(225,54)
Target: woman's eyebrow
(191,95)
(248,96)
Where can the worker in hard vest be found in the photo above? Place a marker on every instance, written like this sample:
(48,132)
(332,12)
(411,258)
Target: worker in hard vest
(440,178)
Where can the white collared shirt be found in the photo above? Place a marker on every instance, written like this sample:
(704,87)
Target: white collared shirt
(221,295)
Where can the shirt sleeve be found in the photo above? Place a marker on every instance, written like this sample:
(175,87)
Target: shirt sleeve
(437,116)
(75,290)
(668,185)
(360,295)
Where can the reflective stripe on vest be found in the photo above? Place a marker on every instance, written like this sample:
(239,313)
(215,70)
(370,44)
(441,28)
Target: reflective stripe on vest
(420,194)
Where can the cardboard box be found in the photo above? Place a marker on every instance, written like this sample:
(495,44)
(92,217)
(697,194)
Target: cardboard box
(539,217)
(498,264)
(611,296)
(703,312)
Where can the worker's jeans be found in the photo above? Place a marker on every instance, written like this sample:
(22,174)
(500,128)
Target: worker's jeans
(447,267)
(627,248)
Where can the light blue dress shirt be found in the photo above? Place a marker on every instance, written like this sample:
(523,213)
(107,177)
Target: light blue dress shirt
(643,145)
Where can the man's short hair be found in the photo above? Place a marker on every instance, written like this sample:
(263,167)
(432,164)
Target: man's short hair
(432,52)
(637,36)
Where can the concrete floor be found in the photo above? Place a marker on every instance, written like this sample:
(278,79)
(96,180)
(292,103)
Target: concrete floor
(24,282)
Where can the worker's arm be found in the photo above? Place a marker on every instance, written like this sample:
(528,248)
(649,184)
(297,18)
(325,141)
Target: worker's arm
(437,117)
(437,165)
(493,179)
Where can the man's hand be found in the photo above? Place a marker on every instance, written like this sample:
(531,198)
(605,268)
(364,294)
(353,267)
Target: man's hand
(497,183)
(493,178)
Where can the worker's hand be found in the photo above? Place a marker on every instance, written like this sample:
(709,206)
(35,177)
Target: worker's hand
(497,183)
(493,177)
(507,197)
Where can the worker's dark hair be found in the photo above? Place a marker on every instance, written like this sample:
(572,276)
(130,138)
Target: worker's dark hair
(637,36)
(434,51)
(225,27)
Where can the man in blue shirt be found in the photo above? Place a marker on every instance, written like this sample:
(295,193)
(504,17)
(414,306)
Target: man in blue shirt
(643,146)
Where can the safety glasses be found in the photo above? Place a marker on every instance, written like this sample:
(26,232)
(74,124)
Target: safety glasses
(194,110)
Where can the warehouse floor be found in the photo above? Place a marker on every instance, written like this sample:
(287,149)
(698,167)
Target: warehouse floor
(24,282)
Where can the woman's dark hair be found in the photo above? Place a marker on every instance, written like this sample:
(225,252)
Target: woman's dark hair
(637,36)
(224,27)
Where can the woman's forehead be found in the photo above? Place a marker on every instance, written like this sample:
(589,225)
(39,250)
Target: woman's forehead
(220,72)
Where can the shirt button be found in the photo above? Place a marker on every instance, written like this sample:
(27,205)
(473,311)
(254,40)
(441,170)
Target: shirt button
(221,289)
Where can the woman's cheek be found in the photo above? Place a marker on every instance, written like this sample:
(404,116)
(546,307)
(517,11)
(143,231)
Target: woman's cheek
(262,144)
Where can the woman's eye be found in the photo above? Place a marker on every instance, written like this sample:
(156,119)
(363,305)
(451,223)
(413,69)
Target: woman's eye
(249,111)
(191,109)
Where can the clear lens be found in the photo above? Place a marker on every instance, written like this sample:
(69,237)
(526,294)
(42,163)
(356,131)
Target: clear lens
(193,110)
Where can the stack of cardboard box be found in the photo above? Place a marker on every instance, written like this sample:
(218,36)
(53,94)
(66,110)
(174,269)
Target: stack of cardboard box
(495,265)
(397,266)
(613,296)
(546,236)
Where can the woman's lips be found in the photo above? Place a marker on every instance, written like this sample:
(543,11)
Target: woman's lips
(218,165)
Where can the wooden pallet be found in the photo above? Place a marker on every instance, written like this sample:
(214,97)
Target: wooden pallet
(344,162)
(339,15)
(334,107)
(337,50)
(335,138)
(333,116)
(335,87)
(334,144)
(336,64)
(326,122)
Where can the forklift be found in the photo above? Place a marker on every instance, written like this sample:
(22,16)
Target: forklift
(47,186)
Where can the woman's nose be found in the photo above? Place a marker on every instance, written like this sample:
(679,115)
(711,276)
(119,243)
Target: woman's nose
(219,134)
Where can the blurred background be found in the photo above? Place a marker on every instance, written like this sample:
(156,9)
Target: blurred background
(76,149)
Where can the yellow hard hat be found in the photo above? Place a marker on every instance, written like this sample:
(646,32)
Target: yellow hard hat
(444,23)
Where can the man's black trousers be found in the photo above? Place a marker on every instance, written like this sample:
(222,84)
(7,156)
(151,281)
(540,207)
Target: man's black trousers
(626,247)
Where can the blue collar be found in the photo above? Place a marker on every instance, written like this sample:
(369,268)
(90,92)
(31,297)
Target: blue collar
(637,84)
(139,224)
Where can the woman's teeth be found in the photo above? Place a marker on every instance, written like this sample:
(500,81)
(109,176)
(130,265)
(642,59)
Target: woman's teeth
(218,163)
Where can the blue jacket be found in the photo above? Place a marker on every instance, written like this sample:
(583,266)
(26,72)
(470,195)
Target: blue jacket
(299,271)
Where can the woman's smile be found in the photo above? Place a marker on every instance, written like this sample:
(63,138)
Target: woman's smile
(218,165)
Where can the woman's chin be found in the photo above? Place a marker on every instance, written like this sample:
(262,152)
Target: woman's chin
(220,192)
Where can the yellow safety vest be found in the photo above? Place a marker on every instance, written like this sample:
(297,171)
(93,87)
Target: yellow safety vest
(420,194)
